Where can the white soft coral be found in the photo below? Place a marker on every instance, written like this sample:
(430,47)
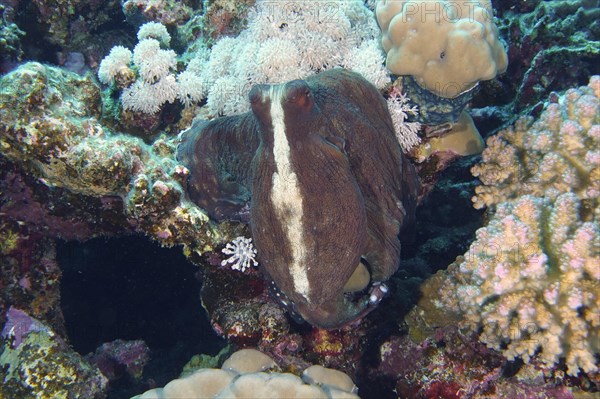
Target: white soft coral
(156,83)
(292,40)
(400,109)
(242,253)
(119,57)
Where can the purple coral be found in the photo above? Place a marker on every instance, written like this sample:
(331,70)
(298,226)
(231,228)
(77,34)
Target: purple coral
(112,357)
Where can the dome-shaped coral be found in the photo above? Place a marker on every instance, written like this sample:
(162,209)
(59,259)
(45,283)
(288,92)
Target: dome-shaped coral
(448,46)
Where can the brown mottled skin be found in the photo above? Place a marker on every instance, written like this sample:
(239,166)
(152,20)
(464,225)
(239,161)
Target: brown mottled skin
(358,189)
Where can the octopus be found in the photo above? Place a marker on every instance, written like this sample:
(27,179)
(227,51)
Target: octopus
(316,170)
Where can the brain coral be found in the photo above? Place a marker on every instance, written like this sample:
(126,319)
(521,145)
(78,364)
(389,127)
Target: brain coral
(530,282)
(448,46)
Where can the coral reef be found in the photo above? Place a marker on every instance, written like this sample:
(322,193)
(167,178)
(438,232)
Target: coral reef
(10,41)
(30,276)
(225,17)
(73,167)
(544,37)
(167,12)
(448,364)
(250,373)
(56,135)
(36,363)
(249,315)
(70,22)
(246,315)
(530,281)
(116,358)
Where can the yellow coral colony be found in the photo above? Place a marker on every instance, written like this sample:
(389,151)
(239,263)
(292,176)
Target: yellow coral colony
(464,139)
(447,46)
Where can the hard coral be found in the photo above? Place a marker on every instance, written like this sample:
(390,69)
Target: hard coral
(448,46)
(555,154)
(531,279)
(166,12)
(251,374)
(36,363)
(52,132)
(452,365)
(118,357)
(225,17)
(544,37)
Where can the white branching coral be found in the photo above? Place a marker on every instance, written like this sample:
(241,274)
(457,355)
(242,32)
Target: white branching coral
(400,109)
(291,40)
(242,253)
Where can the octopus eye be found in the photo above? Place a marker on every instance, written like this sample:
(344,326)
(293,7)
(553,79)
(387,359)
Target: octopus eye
(298,93)
(297,90)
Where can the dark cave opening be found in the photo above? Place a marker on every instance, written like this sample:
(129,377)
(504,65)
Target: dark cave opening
(131,288)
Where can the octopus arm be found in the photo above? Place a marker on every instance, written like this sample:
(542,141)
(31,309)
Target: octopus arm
(219,156)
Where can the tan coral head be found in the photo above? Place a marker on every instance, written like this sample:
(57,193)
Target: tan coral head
(448,46)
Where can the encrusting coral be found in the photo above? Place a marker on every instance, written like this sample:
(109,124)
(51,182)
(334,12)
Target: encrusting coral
(50,126)
(530,282)
(35,362)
